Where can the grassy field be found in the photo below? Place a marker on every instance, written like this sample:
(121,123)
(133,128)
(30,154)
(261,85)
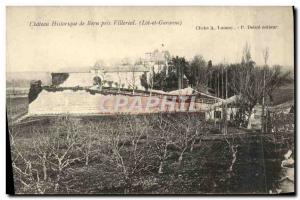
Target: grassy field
(283,94)
(16,107)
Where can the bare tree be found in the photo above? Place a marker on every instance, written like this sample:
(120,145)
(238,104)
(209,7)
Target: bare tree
(252,88)
(51,157)
(134,77)
(186,131)
(127,62)
(130,152)
(233,150)
(252,83)
(198,73)
(25,173)
(266,56)
(163,139)
(90,140)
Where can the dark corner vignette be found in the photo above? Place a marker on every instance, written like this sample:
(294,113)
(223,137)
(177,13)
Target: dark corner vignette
(9,172)
(295,18)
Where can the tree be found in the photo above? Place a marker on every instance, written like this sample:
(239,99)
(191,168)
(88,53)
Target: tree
(144,81)
(180,65)
(132,83)
(233,147)
(246,56)
(46,167)
(171,78)
(90,141)
(197,73)
(185,129)
(160,81)
(130,154)
(97,81)
(116,84)
(265,56)
(251,87)
(110,83)
(164,138)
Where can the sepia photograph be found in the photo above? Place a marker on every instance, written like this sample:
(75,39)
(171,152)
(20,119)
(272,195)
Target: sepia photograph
(156,100)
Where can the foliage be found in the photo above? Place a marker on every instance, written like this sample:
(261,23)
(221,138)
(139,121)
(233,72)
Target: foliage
(171,78)
(144,82)
(247,80)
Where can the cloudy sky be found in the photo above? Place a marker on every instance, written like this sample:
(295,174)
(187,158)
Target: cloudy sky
(49,48)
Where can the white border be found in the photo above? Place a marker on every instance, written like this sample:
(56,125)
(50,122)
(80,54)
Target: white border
(5,3)
(152,2)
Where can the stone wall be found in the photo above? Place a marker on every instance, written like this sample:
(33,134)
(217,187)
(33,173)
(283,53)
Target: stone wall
(86,79)
(83,102)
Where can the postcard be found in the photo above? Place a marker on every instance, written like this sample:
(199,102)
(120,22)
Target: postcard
(150,100)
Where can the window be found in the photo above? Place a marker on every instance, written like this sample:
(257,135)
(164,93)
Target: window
(218,114)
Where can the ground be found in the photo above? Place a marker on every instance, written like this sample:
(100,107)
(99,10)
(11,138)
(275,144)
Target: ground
(206,169)
(283,94)
(15,107)
(209,168)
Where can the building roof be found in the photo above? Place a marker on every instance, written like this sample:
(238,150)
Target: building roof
(115,68)
(127,68)
(281,107)
(72,70)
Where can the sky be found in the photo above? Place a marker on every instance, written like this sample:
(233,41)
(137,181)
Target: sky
(50,48)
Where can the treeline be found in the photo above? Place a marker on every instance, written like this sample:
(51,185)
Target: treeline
(252,84)
(218,79)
